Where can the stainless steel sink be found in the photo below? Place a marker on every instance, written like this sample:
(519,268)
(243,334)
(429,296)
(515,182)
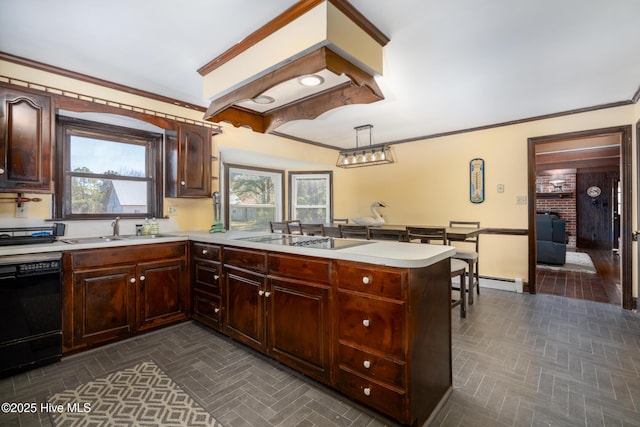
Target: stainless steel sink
(146,236)
(92,239)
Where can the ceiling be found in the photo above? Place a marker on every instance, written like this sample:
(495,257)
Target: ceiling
(450,65)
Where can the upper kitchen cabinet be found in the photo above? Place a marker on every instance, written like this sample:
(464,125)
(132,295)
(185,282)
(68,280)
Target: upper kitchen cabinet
(188,160)
(26,138)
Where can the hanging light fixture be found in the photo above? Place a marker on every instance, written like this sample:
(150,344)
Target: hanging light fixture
(364,156)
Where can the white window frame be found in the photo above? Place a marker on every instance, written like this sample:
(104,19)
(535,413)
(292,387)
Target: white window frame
(295,177)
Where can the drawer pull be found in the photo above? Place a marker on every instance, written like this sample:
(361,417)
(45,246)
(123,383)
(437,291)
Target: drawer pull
(204,252)
(132,280)
(366,280)
(216,277)
(366,323)
(367,364)
(216,310)
(267,294)
(367,391)
(260,292)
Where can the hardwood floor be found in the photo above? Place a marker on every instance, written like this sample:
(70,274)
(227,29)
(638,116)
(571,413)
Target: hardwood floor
(602,287)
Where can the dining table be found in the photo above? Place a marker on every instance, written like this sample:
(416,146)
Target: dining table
(453,233)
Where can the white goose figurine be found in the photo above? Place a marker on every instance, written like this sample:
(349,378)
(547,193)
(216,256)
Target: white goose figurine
(376,219)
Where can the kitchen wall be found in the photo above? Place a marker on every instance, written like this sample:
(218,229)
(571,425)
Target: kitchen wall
(429,184)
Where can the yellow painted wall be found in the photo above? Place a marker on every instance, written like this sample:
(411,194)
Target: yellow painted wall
(429,184)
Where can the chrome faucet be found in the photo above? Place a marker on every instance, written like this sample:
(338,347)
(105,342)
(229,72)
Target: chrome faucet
(116,226)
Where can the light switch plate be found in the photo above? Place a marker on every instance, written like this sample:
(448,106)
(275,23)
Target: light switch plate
(22,211)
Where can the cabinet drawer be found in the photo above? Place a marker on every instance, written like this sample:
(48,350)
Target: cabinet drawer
(372,365)
(86,258)
(299,267)
(245,258)
(206,277)
(385,282)
(205,251)
(389,400)
(373,323)
(207,309)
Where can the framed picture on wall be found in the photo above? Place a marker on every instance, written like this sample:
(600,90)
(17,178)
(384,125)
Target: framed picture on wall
(476,180)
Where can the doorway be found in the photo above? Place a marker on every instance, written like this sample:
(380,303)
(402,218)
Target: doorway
(591,171)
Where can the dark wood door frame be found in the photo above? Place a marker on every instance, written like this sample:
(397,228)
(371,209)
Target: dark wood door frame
(627,186)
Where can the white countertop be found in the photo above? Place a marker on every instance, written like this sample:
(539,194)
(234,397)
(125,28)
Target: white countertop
(394,254)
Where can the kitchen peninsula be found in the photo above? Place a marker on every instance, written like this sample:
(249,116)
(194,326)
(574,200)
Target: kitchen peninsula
(371,319)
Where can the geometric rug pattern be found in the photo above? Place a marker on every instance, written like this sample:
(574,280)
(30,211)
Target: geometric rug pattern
(138,396)
(579,262)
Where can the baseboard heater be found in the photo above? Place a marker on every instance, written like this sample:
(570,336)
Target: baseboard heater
(501,284)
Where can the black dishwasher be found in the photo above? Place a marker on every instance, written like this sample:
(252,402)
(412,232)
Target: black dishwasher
(30,311)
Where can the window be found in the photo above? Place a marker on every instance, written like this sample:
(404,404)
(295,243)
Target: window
(107,171)
(310,197)
(253,197)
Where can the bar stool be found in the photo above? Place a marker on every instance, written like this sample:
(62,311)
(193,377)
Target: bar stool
(294,226)
(470,256)
(385,234)
(458,267)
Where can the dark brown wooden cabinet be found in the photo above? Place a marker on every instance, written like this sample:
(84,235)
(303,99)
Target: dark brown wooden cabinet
(26,141)
(113,293)
(381,335)
(299,313)
(188,160)
(206,272)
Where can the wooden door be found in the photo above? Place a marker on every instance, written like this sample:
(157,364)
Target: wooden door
(245,307)
(25,141)
(104,304)
(595,214)
(299,323)
(161,293)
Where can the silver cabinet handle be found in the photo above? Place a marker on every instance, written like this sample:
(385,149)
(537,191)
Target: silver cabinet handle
(142,278)
(132,280)
(367,391)
(183,183)
(216,277)
(267,294)
(216,310)
(1,171)
(366,323)
(204,252)
(366,280)
(260,292)
(366,364)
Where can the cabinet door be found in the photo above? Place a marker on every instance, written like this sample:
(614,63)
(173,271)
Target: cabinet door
(245,307)
(25,142)
(189,162)
(300,325)
(161,293)
(103,307)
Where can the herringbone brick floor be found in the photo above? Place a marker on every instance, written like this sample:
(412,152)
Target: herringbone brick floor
(518,360)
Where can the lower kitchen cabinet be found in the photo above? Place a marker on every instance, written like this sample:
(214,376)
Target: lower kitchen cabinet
(206,292)
(380,335)
(110,294)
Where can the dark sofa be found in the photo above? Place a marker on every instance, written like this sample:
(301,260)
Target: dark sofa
(551,239)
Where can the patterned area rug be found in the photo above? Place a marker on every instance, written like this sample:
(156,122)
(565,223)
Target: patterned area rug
(578,262)
(139,396)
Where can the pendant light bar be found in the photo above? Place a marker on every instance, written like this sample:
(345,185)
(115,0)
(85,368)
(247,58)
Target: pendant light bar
(364,156)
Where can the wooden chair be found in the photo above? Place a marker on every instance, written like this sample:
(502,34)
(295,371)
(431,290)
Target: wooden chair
(384,234)
(469,255)
(294,226)
(458,267)
(341,220)
(354,231)
(312,229)
(427,234)
(279,227)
